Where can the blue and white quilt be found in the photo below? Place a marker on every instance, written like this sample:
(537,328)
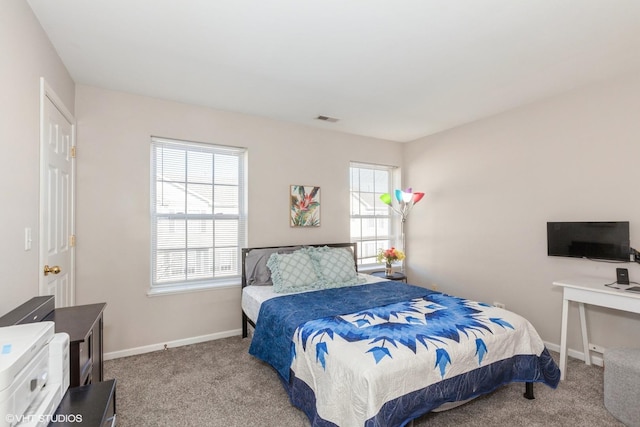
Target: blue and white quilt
(386,353)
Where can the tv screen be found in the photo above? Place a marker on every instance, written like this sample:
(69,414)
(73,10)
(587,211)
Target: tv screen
(595,240)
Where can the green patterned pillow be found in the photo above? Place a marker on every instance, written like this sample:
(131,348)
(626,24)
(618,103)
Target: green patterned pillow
(293,272)
(335,266)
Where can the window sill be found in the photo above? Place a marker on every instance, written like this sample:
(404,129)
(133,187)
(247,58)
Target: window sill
(199,287)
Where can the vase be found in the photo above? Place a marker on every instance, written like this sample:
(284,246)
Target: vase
(388,269)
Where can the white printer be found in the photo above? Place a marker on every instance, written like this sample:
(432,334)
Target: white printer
(34,373)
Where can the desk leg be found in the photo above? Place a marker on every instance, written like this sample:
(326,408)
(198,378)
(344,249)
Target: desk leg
(563,338)
(585,336)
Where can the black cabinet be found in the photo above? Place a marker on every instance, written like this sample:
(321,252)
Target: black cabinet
(84,324)
(32,311)
(89,406)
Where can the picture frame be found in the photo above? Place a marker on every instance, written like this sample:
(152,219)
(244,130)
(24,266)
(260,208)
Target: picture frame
(304,206)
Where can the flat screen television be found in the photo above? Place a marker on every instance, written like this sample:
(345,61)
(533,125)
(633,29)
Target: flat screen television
(594,240)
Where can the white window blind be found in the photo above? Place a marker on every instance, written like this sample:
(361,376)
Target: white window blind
(372,226)
(198,217)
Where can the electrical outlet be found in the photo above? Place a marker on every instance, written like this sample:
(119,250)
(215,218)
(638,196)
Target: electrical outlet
(498,304)
(596,348)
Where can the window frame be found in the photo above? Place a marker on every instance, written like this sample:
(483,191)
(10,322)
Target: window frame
(160,287)
(393,230)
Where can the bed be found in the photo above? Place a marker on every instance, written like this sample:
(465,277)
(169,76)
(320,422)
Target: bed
(355,350)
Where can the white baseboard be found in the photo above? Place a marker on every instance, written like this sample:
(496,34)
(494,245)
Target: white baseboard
(596,360)
(171,344)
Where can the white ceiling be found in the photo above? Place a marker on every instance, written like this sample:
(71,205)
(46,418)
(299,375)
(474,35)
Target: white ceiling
(391,69)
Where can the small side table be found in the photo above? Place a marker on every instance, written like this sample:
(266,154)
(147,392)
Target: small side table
(589,291)
(396,276)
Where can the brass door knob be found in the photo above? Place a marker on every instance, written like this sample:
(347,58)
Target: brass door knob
(53,270)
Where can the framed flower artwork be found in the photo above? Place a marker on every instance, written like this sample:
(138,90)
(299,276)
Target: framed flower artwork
(304,206)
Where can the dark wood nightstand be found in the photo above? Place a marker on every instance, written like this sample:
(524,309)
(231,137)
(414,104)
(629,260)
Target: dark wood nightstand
(83,323)
(396,276)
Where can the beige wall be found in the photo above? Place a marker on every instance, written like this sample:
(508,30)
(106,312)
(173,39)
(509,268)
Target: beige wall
(480,232)
(492,186)
(25,55)
(113,264)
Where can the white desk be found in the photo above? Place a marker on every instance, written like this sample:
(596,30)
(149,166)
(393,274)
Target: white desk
(591,290)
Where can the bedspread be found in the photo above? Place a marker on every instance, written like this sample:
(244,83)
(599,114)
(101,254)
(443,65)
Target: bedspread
(385,353)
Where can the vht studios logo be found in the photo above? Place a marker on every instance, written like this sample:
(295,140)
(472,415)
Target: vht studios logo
(57,418)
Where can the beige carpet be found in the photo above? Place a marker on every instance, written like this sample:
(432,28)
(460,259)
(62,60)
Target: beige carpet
(218,383)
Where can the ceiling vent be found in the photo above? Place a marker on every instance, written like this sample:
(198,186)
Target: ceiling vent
(327,119)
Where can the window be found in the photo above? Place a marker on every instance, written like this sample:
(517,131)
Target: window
(197,214)
(372,225)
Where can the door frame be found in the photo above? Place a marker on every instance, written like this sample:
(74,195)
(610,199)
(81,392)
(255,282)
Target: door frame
(46,92)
